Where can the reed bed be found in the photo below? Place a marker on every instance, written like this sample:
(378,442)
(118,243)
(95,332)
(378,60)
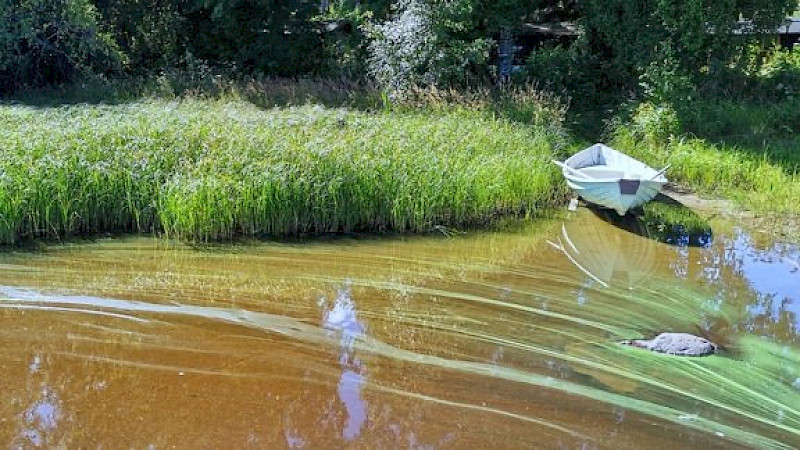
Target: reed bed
(215,169)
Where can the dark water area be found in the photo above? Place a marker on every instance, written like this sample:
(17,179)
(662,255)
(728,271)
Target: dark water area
(496,339)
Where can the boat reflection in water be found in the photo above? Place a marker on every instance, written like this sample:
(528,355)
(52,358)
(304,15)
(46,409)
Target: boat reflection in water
(605,254)
(612,250)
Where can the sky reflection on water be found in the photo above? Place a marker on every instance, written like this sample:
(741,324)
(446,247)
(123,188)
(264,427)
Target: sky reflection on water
(621,251)
(342,318)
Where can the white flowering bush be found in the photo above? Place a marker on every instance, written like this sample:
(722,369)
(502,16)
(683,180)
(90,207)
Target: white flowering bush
(422,46)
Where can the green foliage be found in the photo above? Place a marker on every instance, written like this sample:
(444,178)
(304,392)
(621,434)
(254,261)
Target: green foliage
(151,33)
(690,35)
(563,69)
(655,47)
(665,80)
(276,37)
(753,175)
(779,71)
(216,169)
(447,43)
(762,73)
(282,37)
(553,67)
(654,124)
(51,41)
(344,39)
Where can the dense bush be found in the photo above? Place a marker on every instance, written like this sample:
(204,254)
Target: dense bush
(661,51)
(450,43)
(654,124)
(51,41)
(553,67)
(569,70)
(270,36)
(151,33)
(761,73)
(694,34)
(344,40)
(779,72)
(655,47)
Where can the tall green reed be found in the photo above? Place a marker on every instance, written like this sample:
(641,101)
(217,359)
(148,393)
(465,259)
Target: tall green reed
(206,169)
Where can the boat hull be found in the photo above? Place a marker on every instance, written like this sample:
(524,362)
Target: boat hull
(608,194)
(611,179)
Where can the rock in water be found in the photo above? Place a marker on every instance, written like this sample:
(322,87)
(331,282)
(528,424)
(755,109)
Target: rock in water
(680,344)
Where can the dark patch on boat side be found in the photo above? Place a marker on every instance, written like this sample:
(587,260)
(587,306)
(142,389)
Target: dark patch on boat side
(628,187)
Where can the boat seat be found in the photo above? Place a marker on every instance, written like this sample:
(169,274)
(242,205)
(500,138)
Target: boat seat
(602,172)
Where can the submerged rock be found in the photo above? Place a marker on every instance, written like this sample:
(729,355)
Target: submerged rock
(680,344)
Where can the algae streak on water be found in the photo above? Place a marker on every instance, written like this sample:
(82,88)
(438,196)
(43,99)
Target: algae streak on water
(494,339)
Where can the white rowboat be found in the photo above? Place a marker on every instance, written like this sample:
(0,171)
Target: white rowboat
(609,178)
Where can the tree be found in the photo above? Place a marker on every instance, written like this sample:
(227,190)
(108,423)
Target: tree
(449,42)
(51,41)
(344,24)
(635,36)
(271,36)
(151,33)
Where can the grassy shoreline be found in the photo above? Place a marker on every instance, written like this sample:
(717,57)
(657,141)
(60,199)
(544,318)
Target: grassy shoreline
(758,165)
(246,162)
(216,169)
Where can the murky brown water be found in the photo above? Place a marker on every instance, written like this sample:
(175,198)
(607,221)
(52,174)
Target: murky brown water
(502,340)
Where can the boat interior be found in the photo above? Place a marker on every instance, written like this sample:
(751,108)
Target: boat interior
(606,173)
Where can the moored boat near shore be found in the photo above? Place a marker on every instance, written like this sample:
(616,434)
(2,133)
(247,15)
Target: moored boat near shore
(612,179)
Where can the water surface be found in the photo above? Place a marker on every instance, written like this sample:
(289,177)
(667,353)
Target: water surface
(503,339)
